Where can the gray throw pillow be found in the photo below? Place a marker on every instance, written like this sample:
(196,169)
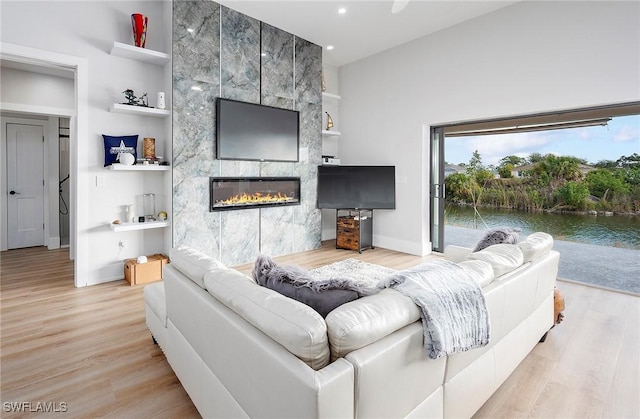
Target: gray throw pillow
(278,278)
(321,301)
(500,235)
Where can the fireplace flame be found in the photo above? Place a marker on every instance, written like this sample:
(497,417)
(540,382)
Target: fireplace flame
(254,199)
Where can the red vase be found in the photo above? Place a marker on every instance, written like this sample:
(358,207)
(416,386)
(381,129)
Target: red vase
(139,26)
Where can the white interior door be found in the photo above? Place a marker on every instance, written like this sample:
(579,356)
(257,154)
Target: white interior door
(25,185)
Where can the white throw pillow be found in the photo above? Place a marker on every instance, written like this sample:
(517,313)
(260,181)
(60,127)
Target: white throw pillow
(503,258)
(481,271)
(536,245)
(193,263)
(294,325)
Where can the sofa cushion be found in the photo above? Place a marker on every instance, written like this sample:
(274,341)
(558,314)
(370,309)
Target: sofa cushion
(322,301)
(294,325)
(536,245)
(502,257)
(480,270)
(359,323)
(498,235)
(193,263)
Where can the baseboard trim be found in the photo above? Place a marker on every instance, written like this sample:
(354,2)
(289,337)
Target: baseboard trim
(54,243)
(404,246)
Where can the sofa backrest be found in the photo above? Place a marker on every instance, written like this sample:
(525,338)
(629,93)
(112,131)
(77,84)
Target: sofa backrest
(192,263)
(297,327)
(503,258)
(361,322)
(294,325)
(536,245)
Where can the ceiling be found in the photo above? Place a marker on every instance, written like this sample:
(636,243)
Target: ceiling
(367,27)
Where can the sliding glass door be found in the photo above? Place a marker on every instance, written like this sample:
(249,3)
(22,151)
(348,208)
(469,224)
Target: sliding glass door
(437,189)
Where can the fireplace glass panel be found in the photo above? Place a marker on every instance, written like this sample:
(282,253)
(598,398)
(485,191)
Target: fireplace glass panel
(255,192)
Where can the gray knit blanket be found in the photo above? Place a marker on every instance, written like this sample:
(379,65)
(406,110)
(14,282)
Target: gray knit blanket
(349,274)
(454,312)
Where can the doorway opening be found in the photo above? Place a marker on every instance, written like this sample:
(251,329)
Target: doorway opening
(64,175)
(78,130)
(523,124)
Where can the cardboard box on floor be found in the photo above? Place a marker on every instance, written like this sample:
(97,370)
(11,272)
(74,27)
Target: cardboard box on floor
(141,273)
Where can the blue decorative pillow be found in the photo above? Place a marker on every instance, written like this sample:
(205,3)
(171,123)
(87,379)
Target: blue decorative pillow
(114,146)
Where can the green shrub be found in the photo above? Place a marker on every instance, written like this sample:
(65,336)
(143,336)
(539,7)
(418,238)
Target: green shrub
(573,194)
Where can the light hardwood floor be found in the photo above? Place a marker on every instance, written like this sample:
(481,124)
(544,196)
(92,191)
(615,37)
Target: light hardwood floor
(89,347)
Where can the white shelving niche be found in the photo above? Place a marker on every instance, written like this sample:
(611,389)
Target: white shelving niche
(331,96)
(155,58)
(330,137)
(139,226)
(139,168)
(139,54)
(144,55)
(139,110)
(330,105)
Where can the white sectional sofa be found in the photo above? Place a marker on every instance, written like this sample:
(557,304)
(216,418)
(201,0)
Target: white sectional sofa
(242,350)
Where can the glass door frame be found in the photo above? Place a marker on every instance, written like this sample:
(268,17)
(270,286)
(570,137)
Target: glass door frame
(437,190)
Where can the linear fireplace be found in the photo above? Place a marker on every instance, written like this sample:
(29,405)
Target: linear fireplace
(232,193)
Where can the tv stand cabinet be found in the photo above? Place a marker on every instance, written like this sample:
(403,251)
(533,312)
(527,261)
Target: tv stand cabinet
(354,229)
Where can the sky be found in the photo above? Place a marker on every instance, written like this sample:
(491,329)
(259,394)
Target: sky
(621,137)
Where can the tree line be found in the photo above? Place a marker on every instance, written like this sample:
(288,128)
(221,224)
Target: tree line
(550,182)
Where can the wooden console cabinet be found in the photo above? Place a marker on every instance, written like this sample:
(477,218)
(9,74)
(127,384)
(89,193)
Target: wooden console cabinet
(354,229)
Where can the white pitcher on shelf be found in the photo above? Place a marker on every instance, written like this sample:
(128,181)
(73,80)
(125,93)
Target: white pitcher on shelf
(130,215)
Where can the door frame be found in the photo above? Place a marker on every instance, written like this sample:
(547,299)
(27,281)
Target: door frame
(436,189)
(551,117)
(46,210)
(78,136)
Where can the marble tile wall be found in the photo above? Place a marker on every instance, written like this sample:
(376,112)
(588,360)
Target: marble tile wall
(222,52)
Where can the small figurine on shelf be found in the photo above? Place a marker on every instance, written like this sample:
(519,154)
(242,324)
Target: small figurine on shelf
(135,101)
(329,121)
(131,97)
(143,101)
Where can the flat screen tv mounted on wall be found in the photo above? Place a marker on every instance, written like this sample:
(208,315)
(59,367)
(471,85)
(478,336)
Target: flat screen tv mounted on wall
(357,187)
(249,131)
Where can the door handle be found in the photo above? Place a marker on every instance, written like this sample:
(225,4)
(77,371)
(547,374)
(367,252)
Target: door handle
(14,193)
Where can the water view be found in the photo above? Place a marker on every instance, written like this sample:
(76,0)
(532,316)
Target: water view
(614,231)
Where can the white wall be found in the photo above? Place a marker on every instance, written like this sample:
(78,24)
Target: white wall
(88,29)
(526,58)
(36,89)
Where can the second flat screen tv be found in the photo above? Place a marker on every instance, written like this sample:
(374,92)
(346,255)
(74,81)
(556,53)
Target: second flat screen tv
(357,187)
(249,131)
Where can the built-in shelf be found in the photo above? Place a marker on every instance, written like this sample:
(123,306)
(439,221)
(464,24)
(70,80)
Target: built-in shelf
(330,133)
(140,110)
(139,226)
(139,168)
(330,96)
(140,54)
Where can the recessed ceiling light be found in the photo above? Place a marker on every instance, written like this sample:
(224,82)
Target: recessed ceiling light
(342,10)
(196,88)
(329,47)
